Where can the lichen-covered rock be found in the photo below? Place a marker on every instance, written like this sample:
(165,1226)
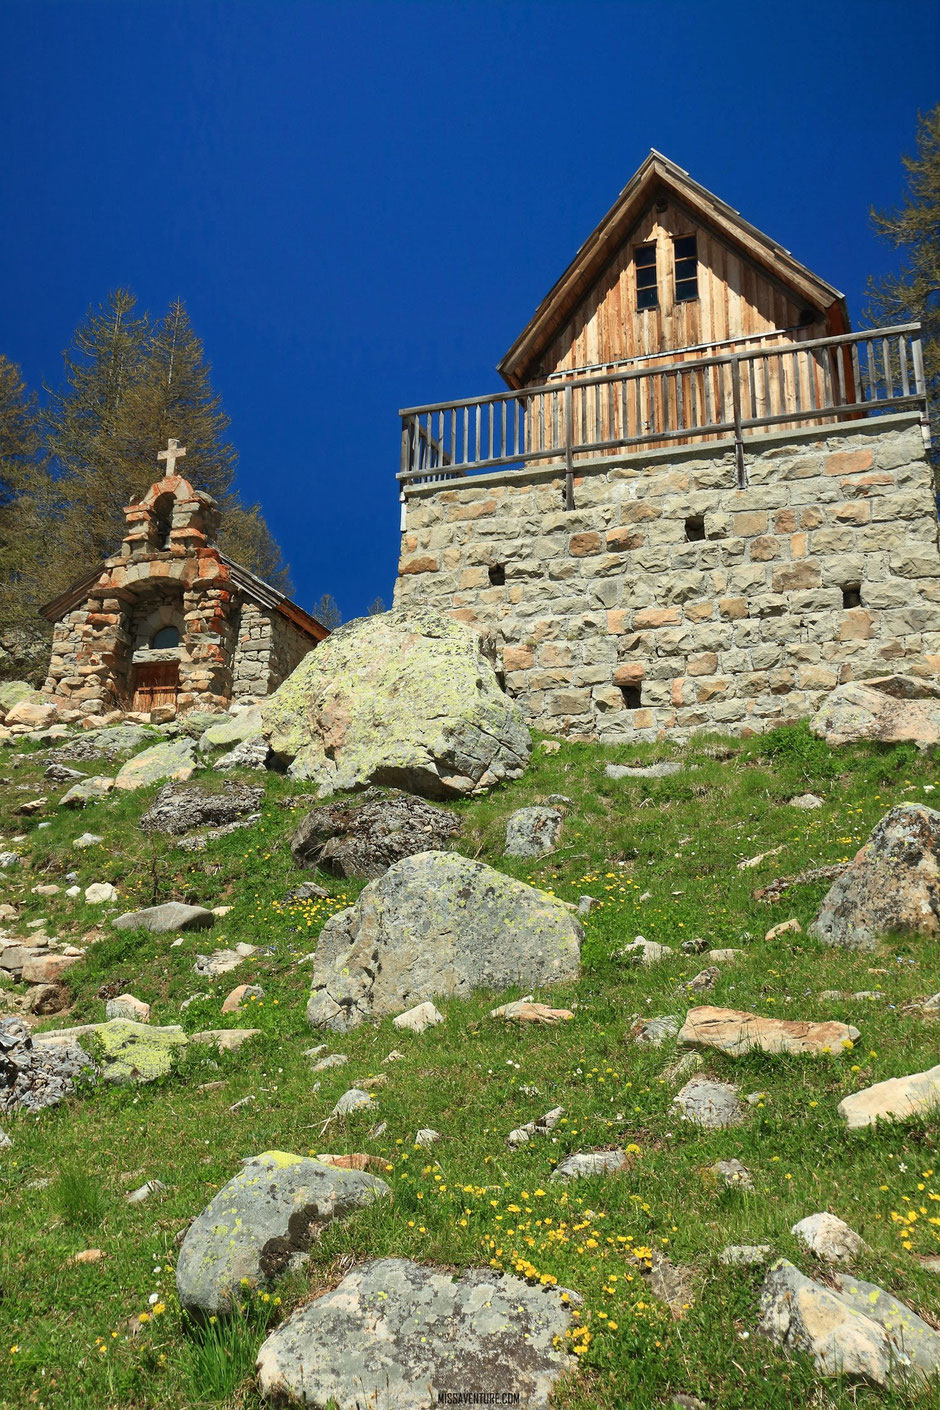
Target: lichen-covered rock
(533,832)
(891,887)
(163,920)
(13,692)
(828,1237)
(229,730)
(37,1075)
(180,808)
(405,698)
(107,743)
(437,924)
(401,1334)
(173,759)
(854,1329)
(363,837)
(136,1052)
(889,709)
(258,1221)
(712,1105)
(88,790)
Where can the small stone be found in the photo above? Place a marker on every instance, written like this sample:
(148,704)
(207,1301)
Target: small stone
(724,956)
(712,1105)
(87,839)
(643,952)
(586,904)
(244,993)
(806,800)
(369,1084)
(73,891)
(50,890)
(9,859)
(394,1056)
(126,1006)
(702,982)
(334,1060)
(46,969)
(735,1032)
(732,1174)
(353,1100)
(786,927)
(525,1011)
(585,1164)
(152,1187)
(427,1137)
(541,1127)
(743,1255)
(896,1099)
(654,1032)
(828,1238)
(314,1053)
(419,1018)
(532,832)
(213,966)
(696,946)
(663,770)
(87,1255)
(226,1040)
(100,892)
(88,790)
(164,919)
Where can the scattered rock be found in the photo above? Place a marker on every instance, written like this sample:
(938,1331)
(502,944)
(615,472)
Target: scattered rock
(32,713)
(267,1213)
(781,884)
(437,924)
(152,1187)
(363,837)
(889,709)
(643,952)
(100,892)
(89,790)
(333,1060)
(786,927)
(178,809)
(525,1011)
(419,1018)
(726,956)
(694,946)
(369,1084)
(855,1330)
(807,801)
(533,832)
(550,746)
(171,759)
(167,918)
(356,1161)
(307,891)
(584,1164)
(892,885)
(9,859)
(663,770)
(47,968)
(481,1329)
(732,1174)
(34,1076)
(136,1052)
(586,905)
(250,754)
(353,1100)
(541,1127)
(710,1104)
(223,961)
(48,998)
(242,994)
(654,1032)
(750,862)
(671,1283)
(735,1032)
(126,1006)
(228,730)
(702,982)
(87,839)
(828,1238)
(103,744)
(426,1137)
(738,1255)
(897,1099)
(87,1255)
(226,1040)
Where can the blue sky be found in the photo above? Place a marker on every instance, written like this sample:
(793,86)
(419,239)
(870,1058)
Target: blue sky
(361,203)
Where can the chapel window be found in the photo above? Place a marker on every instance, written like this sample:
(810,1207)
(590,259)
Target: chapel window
(686,251)
(165,639)
(644,262)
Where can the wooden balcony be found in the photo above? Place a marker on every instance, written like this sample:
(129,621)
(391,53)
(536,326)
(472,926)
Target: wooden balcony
(681,398)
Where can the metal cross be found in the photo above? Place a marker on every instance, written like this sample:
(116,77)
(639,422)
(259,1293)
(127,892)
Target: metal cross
(174,451)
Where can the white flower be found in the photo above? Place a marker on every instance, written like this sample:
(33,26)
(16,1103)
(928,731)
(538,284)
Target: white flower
(154,1297)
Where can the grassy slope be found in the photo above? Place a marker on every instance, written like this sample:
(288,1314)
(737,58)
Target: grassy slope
(471,1199)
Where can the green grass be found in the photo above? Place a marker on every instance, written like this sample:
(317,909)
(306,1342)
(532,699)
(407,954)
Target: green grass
(78,1198)
(469,1200)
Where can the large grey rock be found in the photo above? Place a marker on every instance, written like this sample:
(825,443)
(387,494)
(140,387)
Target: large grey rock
(163,920)
(892,886)
(663,770)
(108,743)
(136,1052)
(270,1210)
(854,1329)
(397,1333)
(710,1104)
(363,837)
(34,1076)
(437,924)
(171,759)
(180,808)
(889,709)
(896,1099)
(533,832)
(228,730)
(88,790)
(405,698)
(252,753)
(828,1237)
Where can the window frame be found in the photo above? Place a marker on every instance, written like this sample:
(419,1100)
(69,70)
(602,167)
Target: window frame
(686,279)
(652,264)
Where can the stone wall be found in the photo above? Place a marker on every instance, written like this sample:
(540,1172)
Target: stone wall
(669,600)
(269,647)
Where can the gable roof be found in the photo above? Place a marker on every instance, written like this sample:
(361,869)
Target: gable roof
(602,245)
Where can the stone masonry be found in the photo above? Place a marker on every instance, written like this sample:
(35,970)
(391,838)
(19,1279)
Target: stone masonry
(669,600)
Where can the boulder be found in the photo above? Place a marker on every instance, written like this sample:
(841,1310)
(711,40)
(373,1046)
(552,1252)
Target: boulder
(405,698)
(418,1019)
(181,808)
(584,1164)
(100,892)
(34,1075)
(533,832)
(735,1032)
(250,754)
(710,1104)
(249,1231)
(104,743)
(828,1237)
(855,1329)
(437,924)
(126,1006)
(136,1052)
(172,759)
(164,919)
(47,968)
(663,770)
(363,837)
(889,709)
(89,790)
(891,887)
(897,1099)
(14,693)
(411,1333)
(228,730)
(32,713)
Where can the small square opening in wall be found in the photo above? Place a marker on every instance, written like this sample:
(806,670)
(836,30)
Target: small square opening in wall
(631,696)
(695,528)
(851,595)
(497,575)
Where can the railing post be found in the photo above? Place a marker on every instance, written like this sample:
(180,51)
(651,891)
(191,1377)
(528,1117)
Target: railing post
(738,433)
(569,442)
(405,446)
(920,383)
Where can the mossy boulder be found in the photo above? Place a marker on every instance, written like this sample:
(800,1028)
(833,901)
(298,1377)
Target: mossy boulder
(225,731)
(14,693)
(438,924)
(172,759)
(406,698)
(135,1052)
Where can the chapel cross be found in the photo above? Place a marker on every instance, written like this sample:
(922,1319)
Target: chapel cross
(174,451)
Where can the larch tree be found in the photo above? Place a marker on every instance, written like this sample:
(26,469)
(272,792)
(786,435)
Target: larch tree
(23,634)
(327,612)
(912,294)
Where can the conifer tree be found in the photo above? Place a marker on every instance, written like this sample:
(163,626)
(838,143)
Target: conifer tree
(327,612)
(21,527)
(913,293)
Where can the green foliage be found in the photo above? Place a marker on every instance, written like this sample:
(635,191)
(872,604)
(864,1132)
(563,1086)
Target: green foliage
(327,612)
(221,1351)
(796,746)
(79,1197)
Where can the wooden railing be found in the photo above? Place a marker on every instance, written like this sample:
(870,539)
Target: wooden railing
(787,385)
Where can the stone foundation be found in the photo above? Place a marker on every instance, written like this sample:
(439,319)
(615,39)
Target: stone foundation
(669,600)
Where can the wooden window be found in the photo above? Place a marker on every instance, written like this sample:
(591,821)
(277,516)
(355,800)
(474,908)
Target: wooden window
(644,262)
(686,268)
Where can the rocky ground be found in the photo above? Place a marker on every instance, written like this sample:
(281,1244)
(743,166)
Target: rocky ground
(663,1178)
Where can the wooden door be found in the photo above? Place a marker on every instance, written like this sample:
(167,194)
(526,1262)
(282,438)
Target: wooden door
(156,685)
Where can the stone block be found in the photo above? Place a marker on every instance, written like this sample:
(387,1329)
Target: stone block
(790,577)
(848,462)
(750,523)
(653,617)
(704,665)
(762,550)
(568,702)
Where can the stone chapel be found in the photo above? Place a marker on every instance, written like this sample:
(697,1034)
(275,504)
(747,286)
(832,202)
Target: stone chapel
(171,620)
